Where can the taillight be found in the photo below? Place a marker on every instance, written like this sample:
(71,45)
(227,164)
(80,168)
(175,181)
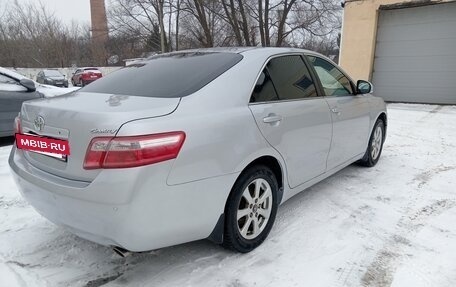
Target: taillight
(132,151)
(17,125)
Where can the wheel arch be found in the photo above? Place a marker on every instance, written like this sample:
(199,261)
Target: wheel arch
(278,170)
(272,163)
(382,116)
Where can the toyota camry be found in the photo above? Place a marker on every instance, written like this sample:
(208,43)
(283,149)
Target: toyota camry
(193,144)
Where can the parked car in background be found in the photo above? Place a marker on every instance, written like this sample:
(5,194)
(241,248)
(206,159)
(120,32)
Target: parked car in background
(52,77)
(14,90)
(84,76)
(196,144)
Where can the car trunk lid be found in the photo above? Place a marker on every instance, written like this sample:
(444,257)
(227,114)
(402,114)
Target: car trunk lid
(81,116)
(91,74)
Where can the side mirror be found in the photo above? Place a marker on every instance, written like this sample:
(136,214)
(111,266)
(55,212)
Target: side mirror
(363,87)
(29,84)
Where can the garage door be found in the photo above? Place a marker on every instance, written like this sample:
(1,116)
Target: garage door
(415,55)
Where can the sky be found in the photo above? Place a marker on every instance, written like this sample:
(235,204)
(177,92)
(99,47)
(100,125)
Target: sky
(66,10)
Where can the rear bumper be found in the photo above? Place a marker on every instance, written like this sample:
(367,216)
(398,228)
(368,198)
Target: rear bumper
(147,215)
(63,84)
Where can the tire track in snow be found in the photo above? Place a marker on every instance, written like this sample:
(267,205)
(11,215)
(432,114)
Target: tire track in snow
(380,273)
(14,273)
(424,177)
(103,280)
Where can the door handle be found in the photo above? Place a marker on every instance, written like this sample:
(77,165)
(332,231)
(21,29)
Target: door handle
(272,119)
(335,111)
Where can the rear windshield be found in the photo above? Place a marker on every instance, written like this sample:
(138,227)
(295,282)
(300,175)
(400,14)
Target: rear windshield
(52,73)
(166,76)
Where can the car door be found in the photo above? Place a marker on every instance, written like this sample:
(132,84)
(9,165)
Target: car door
(350,113)
(292,117)
(12,95)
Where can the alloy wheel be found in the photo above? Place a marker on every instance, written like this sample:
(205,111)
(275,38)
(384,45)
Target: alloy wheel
(377,142)
(254,208)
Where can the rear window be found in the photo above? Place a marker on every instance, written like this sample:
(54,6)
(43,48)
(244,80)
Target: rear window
(52,73)
(166,76)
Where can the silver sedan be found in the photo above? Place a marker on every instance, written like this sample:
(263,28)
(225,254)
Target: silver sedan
(194,144)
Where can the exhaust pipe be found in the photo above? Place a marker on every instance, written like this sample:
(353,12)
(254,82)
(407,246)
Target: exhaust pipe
(121,252)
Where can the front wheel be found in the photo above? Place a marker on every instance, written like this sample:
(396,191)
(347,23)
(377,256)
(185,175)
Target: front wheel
(251,209)
(374,149)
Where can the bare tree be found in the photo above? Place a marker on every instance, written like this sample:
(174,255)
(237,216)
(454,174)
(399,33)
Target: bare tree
(30,35)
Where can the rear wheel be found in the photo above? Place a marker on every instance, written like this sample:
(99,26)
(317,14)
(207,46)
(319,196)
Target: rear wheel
(251,209)
(81,83)
(374,149)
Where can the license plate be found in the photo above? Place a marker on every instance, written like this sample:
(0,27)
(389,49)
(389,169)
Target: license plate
(60,157)
(56,148)
(94,76)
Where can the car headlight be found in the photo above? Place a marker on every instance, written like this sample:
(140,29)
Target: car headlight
(49,80)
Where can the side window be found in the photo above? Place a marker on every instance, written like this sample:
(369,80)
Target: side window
(291,78)
(333,81)
(264,89)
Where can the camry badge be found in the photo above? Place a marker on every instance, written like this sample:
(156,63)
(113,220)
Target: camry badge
(38,123)
(103,131)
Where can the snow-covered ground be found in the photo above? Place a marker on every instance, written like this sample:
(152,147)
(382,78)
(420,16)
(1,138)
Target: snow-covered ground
(391,225)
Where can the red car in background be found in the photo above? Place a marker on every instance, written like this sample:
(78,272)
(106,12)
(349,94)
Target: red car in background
(84,76)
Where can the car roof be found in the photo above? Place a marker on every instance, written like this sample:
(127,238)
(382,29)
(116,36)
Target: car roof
(246,51)
(271,51)
(236,50)
(264,52)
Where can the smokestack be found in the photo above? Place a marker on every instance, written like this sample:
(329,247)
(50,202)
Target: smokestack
(99,32)
(99,21)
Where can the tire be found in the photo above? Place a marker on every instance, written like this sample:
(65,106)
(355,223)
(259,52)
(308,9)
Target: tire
(374,149)
(81,83)
(255,217)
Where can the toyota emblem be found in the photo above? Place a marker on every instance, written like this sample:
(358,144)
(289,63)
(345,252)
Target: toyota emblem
(39,123)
